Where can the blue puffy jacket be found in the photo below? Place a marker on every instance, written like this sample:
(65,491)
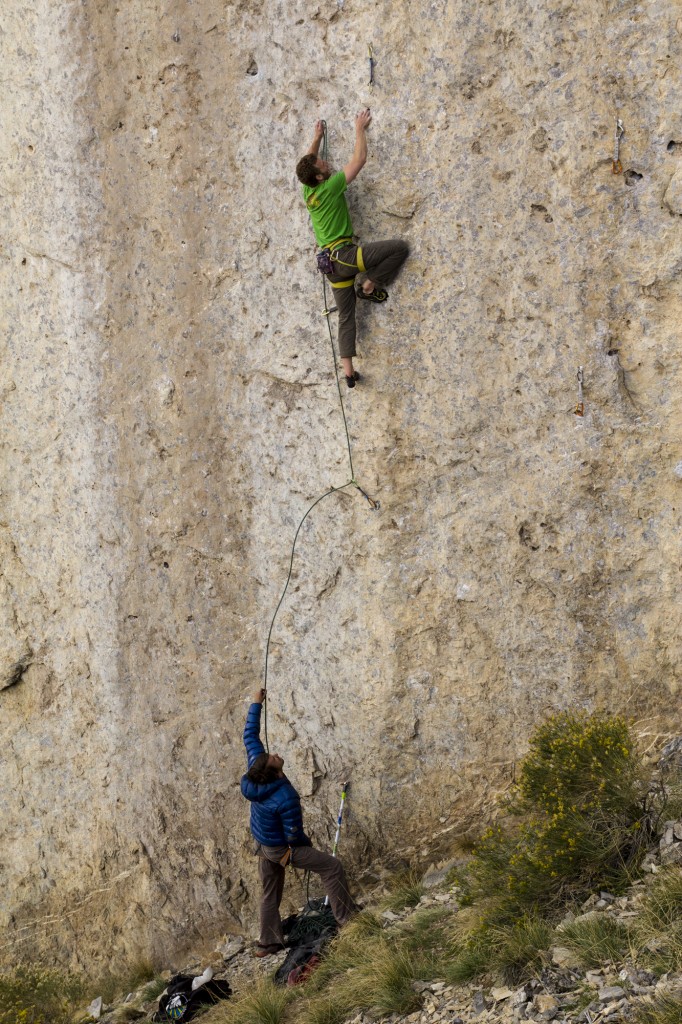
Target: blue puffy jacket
(276,818)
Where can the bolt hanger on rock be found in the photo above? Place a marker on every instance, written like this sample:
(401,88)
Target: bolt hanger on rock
(620,132)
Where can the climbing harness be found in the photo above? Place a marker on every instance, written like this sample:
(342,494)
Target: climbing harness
(372,62)
(620,132)
(326,257)
(580,407)
(338,829)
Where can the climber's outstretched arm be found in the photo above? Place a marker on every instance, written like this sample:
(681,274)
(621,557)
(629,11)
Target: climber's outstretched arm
(359,157)
(317,138)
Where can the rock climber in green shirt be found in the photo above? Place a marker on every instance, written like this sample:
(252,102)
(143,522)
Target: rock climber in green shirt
(323,192)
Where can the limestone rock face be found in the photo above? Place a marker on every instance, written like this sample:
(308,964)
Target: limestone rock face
(170,412)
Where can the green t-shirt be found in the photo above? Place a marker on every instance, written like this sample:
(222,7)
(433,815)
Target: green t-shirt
(328,210)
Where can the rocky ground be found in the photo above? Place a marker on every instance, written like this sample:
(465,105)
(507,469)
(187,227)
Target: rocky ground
(561,992)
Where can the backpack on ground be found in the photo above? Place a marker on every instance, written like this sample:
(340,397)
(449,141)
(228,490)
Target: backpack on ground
(302,960)
(179,1002)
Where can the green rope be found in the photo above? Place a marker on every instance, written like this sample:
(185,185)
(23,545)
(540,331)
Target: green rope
(338,382)
(352,482)
(286,585)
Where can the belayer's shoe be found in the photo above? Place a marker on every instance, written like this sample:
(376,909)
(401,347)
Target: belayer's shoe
(378,295)
(350,381)
(261,951)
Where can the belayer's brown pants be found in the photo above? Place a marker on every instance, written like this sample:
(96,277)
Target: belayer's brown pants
(332,876)
(382,261)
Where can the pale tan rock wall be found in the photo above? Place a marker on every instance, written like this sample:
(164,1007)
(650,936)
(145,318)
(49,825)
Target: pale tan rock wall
(169,413)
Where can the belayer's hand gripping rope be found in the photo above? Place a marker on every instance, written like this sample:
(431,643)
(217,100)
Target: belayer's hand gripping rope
(338,828)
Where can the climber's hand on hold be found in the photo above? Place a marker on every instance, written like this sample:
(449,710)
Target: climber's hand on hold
(359,157)
(363,120)
(259,696)
(319,129)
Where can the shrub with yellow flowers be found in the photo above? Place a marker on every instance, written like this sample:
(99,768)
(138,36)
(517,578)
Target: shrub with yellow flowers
(580,820)
(34,995)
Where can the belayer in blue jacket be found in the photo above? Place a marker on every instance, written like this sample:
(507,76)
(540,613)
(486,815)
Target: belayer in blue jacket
(277,827)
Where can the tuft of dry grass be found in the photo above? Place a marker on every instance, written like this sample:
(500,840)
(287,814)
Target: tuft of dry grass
(267,1003)
(406,891)
(597,940)
(659,925)
(665,1009)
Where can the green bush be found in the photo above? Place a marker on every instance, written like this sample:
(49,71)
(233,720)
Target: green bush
(32,995)
(584,763)
(584,822)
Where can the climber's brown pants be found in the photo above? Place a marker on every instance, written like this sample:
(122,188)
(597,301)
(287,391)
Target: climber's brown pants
(332,876)
(382,261)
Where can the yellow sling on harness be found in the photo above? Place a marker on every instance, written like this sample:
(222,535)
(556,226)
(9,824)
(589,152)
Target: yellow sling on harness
(333,246)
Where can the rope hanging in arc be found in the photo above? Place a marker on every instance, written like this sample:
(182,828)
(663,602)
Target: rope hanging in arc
(373,504)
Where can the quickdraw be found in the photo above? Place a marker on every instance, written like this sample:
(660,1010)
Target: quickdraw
(580,407)
(620,132)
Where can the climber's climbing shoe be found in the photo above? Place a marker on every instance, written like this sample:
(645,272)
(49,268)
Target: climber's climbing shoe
(350,381)
(378,295)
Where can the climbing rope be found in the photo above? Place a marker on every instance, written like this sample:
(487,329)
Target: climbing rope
(325,145)
(286,586)
(374,505)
